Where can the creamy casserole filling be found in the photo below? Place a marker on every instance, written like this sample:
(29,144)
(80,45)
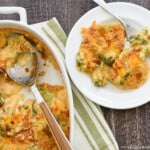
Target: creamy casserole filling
(103,57)
(22,125)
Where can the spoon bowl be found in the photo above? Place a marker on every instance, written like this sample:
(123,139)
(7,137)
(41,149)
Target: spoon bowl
(24,74)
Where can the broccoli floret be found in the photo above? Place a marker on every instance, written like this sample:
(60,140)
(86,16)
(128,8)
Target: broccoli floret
(108,58)
(138,40)
(81,64)
(98,78)
(127,75)
(121,80)
(109,61)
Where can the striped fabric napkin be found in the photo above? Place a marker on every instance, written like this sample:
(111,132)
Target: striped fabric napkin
(91,131)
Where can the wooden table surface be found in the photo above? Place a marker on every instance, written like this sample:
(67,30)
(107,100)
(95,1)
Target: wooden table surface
(130,127)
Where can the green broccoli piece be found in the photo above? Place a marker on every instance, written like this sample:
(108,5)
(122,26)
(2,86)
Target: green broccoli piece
(108,58)
(81,62)
(98,78)
(138,40)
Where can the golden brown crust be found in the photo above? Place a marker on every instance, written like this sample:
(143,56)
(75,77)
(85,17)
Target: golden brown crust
(103,57)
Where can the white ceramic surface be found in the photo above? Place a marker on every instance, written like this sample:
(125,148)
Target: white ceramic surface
(109,96)
(52,76)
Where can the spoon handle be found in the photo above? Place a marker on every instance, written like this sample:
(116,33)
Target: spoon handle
(57,132)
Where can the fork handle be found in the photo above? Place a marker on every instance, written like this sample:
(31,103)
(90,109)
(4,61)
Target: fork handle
(102,3)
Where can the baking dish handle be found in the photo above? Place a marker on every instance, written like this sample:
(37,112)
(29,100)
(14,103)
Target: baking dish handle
(19,10)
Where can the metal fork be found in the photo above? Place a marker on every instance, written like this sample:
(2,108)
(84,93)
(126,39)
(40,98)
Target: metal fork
(129,30)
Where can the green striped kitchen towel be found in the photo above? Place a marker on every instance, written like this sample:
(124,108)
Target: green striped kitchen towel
(91,131)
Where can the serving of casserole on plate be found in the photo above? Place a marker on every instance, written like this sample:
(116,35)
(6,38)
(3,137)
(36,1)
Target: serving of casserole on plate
(103,56)
(22,124)
(111,76)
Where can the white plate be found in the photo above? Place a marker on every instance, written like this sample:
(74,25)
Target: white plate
(109,96)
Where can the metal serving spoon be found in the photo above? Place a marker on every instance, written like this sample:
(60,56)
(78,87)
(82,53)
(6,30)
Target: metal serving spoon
(129,30)
(27,75)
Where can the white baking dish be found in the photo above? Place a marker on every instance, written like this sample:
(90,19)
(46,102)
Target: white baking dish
(61,77)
